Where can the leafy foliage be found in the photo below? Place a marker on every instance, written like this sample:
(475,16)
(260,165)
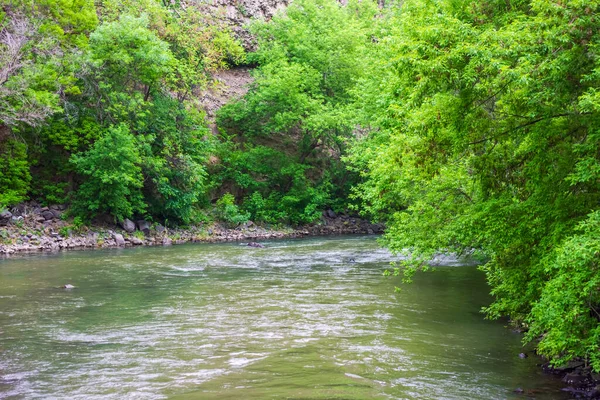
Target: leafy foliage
(14,172)
(228,211)
(484,119)
(66,80)
(288,132)
(114,176)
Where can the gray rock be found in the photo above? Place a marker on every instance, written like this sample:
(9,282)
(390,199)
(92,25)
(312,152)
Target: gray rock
(5,217)
(136,241)
(330,214)
(48,215)
(68,286)
(167,241)
(144,226)
(127,225)
(247,224)
(240,13)
(254,244)
(119,239)
(159,228)
(57,214)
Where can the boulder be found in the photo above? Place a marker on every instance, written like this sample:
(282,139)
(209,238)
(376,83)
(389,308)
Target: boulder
(576,380)
(159,228)
(144,226)
(5,217)
(127,225)
(330,213)
(48,215)
(136,241)
(563,369)
(247,224)
(119,241)
(594,393)
(167,241)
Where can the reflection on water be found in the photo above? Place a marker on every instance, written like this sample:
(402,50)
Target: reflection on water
(299,319)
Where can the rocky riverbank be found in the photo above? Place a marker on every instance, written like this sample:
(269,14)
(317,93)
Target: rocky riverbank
(32,228)
(581,382)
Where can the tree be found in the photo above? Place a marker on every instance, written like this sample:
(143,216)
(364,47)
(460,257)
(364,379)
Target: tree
(296,109)
(27,95)
(113,176)
(14,171)
(485,139)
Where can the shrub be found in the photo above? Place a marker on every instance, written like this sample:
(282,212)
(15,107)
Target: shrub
(113,177)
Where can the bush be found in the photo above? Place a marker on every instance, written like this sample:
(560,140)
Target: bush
(113,177)
(14,172)
(228,211)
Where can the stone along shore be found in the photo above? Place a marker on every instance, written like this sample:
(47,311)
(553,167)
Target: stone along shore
(32,228)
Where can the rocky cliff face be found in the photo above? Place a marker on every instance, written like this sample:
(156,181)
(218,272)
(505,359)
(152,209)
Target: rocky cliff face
(226,85)
(241,12)
(232,83)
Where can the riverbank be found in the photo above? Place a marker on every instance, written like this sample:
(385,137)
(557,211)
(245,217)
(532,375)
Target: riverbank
(32,228)
(581,381)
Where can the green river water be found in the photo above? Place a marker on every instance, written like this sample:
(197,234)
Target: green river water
(299,319)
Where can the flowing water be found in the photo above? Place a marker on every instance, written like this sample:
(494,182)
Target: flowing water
(299,319)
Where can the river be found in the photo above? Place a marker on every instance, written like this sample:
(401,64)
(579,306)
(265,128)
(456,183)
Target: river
(300,319)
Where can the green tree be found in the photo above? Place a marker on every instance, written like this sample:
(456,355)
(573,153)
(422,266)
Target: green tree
(296,111)
(484,125)
(113,176)
(175,146)
(14,172)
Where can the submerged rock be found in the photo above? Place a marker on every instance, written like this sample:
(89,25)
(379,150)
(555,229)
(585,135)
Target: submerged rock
(254,244)
(68,286)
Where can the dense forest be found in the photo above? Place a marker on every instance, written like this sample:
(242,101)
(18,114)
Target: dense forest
(466,126)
